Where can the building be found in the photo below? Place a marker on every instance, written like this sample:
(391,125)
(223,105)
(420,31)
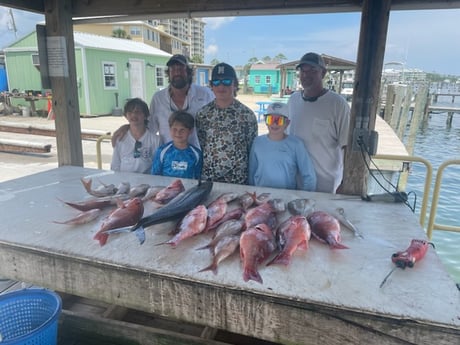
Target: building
(109,71)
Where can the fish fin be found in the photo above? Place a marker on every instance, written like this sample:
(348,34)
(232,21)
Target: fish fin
(208,246)
(140,234)
(87,184)
(118,230)
(252,274)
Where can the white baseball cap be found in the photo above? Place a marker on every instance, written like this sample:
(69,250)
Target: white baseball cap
(277,108)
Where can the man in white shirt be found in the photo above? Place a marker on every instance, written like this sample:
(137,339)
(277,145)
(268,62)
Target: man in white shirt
(320,117)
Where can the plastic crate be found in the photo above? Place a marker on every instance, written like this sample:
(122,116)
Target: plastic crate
(29,317)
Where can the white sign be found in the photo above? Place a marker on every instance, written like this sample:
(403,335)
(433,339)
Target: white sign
(57,56)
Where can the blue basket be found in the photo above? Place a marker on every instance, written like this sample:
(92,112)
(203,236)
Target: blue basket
(29,317)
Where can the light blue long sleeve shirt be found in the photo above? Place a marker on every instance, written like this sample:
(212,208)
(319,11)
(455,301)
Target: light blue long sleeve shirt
(277,163)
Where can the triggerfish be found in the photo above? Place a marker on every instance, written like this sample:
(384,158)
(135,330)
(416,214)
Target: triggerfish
(256,245)
(293,233)
(326,229)
(127,213)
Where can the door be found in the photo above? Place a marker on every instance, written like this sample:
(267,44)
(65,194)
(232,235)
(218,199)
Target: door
(137,78)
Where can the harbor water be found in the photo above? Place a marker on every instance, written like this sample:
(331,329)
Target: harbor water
(437,143)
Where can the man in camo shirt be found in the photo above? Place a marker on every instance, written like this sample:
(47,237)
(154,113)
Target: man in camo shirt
(226,129)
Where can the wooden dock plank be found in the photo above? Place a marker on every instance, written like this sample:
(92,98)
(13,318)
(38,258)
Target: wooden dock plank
(23,128)
(10,145)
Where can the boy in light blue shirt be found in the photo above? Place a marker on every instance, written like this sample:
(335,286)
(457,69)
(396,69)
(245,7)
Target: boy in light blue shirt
(276,158)
(178,158)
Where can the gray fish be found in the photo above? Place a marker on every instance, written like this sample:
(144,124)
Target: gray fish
(101,191)
(301,207)
(152,192)
(228,228)
(138,190)
(176,208)
(223,249)
(123,188)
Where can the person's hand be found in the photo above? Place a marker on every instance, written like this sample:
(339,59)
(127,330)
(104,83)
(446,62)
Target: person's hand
(119,134)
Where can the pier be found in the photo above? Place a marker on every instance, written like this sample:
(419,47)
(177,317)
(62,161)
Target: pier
(435,96)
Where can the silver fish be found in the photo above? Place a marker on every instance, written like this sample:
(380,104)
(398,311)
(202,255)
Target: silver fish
(138,190)
(123,188)
(225,247)
(101,191)
(301,207)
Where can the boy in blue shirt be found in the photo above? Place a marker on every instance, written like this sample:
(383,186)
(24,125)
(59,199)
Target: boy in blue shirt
(280,160)
(178,158)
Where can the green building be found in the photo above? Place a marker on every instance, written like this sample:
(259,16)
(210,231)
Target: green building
(109,71)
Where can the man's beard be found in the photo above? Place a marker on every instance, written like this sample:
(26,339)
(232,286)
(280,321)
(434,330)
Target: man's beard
(179,82)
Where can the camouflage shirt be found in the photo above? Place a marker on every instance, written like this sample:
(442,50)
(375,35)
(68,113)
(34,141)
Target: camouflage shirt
(225,137)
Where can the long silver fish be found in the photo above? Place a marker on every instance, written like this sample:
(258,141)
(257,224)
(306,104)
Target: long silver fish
(176,208)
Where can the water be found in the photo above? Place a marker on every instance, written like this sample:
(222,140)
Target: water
(437,143)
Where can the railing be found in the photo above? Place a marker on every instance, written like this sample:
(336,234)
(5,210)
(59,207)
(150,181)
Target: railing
(434,203)
(98,149)
(428,177)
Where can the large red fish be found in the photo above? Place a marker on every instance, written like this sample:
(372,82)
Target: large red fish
(262,214)
(128,213)
(293,233)
(256,245)
(169,192)
(193,223)
(326,229)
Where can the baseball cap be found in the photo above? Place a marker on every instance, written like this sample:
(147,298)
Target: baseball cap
(277,108)
(312,59)
(222,71)
(178,58)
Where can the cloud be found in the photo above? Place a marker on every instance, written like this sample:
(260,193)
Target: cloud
(217,23)
(212,50)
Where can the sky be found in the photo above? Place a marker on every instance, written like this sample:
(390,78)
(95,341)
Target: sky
(425,40)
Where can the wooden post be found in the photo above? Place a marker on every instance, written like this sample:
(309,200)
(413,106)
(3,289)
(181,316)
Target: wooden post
(404,112)
(62,71)
(390,98)
(450,115)
(371,50)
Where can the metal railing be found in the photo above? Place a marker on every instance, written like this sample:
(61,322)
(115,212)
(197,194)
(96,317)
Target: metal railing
(434,202)
(98,149)
(428,177)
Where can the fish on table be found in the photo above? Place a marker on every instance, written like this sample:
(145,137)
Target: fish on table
(294,233)
(218,208)
(173,210)
(229,228)
(191,225)
(96,203)
(100,191)
(169,192)
(81,218)
(236,213)
(223,249)
(326,229)
(256,245)
(302,207)
(128,213)
(264,213)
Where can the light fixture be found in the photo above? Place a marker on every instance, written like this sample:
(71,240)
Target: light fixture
(149,64)
(128,65)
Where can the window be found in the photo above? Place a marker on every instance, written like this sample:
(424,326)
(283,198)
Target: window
(268,79)
(160,73)
(35,60)
(257,79)
(135,30)
(109,73)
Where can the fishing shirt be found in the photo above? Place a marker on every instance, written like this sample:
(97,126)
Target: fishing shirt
(162,106)
(123,158)
(226,136)
(171,161)
(323,127)
(276,163)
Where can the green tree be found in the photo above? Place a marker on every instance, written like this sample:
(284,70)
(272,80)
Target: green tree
(266,59)
(120,33)
(280,58)
(214,62)
(197,59)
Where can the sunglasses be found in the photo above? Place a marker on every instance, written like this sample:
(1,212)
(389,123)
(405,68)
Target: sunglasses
(275,119)
(225,82)
(137,147)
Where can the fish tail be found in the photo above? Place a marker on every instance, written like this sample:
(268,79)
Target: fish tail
(86,184)
(212,267)
(281,259)
(252,274)
(337,245)
(101,237)
(140,234)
